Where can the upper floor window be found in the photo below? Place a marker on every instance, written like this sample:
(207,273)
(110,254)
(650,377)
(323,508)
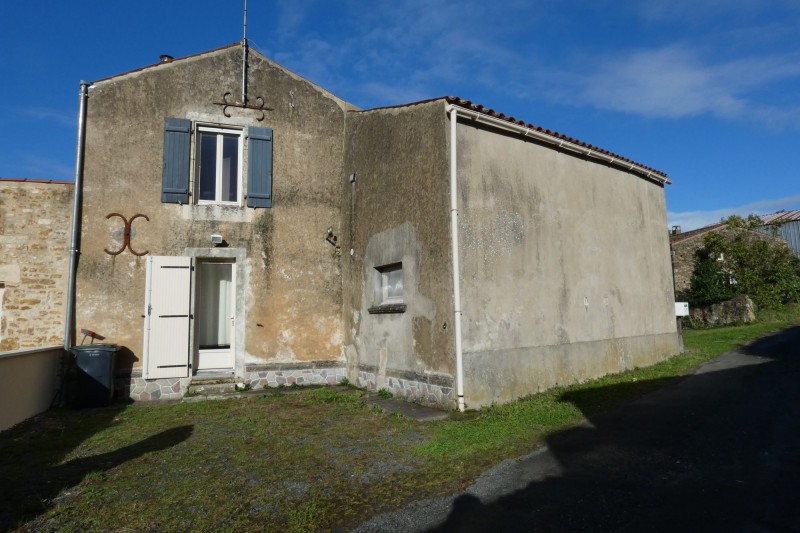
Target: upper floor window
(221,174)
(218,160)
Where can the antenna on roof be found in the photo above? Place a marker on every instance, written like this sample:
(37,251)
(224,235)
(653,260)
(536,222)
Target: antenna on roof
(244,56)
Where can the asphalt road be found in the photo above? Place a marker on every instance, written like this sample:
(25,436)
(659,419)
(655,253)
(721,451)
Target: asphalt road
(718,450)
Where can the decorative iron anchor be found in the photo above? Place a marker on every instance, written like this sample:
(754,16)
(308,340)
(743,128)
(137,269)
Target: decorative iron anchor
(127,239)
(226,104)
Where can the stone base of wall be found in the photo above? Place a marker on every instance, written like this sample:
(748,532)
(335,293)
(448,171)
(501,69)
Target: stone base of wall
(262,376)
(431,390)
(436,391)
(138,389)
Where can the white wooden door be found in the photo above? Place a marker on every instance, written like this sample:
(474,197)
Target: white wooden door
(167,317)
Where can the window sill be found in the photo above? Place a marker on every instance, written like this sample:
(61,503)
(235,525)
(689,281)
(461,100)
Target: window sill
(386,309)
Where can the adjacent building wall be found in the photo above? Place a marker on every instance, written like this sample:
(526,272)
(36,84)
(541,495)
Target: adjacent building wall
(28,382)
(34,252)
(290,278)
(396,210)
(565,268)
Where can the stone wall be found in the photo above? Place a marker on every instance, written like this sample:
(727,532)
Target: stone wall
(738,310)
(34,258)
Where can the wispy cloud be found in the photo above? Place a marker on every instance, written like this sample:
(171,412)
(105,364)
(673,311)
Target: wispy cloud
(682,9)
(674,82)
(689,220)
(35,166)
(56,116)
(409,48)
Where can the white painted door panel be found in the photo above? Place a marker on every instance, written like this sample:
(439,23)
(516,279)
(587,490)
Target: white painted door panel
(167,317)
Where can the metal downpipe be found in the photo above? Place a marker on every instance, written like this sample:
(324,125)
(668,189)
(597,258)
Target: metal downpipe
(76,232)
(456,266)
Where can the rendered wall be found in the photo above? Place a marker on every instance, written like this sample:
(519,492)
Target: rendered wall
(28,382)
(34,254)
(565,267)
(290,278)
(397,210)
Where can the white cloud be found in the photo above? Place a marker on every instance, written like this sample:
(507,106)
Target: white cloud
(674,82)
(689,220)
(51,115)
(682,9)
(38,167)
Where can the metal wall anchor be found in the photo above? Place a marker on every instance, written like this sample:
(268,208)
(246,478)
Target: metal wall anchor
(127,240)
(226,104)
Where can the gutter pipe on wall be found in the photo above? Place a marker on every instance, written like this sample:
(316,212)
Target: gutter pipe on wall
(76,232)
(456,267)
(560,143)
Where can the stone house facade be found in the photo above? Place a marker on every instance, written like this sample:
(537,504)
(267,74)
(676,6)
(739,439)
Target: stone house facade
(684,248)
(34,252)
(278,234)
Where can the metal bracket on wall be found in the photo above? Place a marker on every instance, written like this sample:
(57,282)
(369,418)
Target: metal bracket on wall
(127,238)
(226,104)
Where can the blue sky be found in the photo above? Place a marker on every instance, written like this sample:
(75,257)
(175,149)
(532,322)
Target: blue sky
(705,90)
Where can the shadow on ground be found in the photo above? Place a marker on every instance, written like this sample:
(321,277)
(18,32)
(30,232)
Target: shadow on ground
(32,469)
(717,450)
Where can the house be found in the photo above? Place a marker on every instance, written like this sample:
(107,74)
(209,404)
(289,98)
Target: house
(685,245)
(239,220)
(34,250)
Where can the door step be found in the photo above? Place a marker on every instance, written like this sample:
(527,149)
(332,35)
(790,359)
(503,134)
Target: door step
(211,386)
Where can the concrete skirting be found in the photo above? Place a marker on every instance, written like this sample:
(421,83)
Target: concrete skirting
(28,383)
(501,376)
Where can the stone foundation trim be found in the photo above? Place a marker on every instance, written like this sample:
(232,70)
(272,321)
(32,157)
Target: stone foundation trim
(139,389)
(268,376)
(435,390)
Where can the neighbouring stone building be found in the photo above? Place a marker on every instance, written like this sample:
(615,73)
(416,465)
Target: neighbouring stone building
(685,246)
(277,234)
(34,246)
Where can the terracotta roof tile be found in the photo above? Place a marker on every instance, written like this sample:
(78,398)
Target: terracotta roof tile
(679,237)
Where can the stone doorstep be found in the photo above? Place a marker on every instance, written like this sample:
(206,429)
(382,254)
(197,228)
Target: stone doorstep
(211,387)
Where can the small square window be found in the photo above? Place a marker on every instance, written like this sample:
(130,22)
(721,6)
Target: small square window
(391,283)
(218,165)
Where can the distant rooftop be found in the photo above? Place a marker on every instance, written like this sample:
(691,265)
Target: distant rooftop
(781,216)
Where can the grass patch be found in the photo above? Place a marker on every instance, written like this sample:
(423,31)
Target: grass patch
(316,459)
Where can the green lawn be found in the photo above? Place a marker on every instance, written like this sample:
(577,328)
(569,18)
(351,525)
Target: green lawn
(299,460)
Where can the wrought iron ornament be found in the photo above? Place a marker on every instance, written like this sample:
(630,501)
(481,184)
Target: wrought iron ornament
(226,104)
(127,239)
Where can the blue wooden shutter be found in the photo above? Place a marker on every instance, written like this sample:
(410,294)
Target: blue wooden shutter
(175,177)
(259,167)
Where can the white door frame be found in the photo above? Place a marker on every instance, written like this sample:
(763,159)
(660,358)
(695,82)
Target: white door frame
(220,359)
(238,256)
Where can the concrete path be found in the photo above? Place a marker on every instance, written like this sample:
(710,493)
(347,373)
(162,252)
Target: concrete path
(716,451)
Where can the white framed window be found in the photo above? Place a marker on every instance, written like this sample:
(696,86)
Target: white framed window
(218,165)
(390,284)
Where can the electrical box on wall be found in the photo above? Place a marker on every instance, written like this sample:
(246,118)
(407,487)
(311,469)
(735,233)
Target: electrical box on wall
(681,308)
